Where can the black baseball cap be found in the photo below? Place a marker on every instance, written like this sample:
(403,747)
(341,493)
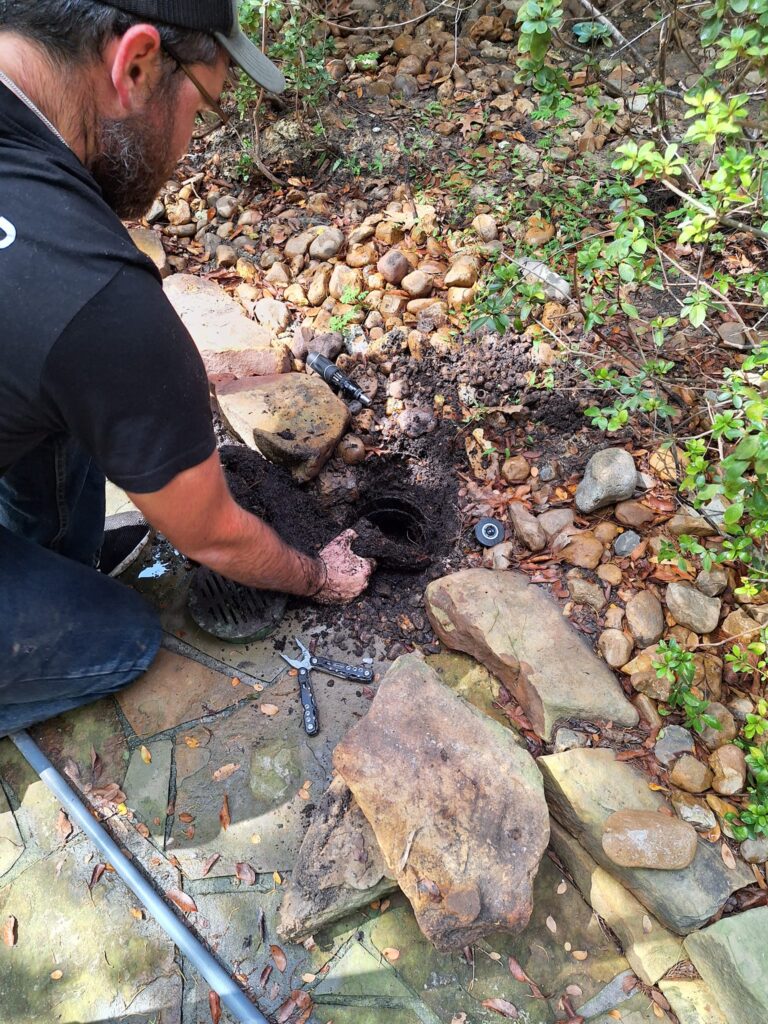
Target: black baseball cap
(219,19)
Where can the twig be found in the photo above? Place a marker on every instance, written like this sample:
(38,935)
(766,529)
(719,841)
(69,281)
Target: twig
(730,222)
(620,39)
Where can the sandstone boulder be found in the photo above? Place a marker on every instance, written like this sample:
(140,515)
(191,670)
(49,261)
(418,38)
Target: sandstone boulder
(457,807)
(294,420)
(227,340)
(513,629)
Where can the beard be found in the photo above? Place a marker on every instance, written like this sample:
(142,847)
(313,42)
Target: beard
(133,159)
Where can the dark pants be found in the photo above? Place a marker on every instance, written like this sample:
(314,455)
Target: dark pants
(68,635)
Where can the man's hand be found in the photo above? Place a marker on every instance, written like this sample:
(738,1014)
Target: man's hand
(348,574)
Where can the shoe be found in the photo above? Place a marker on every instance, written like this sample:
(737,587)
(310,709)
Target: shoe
(125,537)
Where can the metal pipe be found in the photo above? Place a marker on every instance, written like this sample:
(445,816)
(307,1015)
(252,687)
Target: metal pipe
(231,995)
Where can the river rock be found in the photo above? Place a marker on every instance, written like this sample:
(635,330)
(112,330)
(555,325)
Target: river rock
(615,647)
(151,244)
(585,591)
(547,668)
(647,839)
(712,738)
(553,522)
(673,741)
(693,809)
(272,313)
(516,469)
(294,420)
(730,769)
(626,543)
(326,244)
(732,958)
(712,582)
(645,618)
(485,226)
(393,266)
(690,608)
(691,775)
(755,851)
(227,340)
(610,476)
(457,807)
(633,513)
(526,528)
(585,786)
(583,550)
(417,284)
(339,867)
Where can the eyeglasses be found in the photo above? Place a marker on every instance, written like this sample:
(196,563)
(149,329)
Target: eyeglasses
(214,105)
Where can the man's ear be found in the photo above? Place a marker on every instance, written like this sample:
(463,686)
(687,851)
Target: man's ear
(134,68)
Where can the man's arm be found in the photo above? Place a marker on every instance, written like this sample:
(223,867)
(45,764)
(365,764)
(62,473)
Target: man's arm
(199,516)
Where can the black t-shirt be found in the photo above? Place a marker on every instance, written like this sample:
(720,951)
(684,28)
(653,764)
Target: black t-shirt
(89,345)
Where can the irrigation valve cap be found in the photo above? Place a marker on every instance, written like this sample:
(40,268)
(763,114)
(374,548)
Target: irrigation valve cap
(489,531)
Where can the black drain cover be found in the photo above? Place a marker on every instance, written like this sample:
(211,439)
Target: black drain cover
(489,531)
(232,612)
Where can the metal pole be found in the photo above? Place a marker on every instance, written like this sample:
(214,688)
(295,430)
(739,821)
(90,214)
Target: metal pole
(231,995)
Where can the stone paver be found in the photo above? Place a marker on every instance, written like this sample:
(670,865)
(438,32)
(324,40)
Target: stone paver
(146,787)
(693,1001)
(176,690)
(111,963)
(11,843)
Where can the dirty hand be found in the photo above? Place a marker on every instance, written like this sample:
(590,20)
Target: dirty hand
(348,574)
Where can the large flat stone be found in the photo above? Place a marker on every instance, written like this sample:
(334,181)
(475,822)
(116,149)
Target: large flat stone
(692,1001)
(176,690)
(146,787)
(456,806)
(11,843)
(363,989)
(471,681)
(294,420)
(227,340)
(275,758)
(114,967)
(648,946)
(584,787)
(339,868)
(77,735)
(732,958)
(519,634)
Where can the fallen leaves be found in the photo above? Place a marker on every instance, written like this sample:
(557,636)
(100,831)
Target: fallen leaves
(579,954)
(391,954)
(182,900)
(224,816)
(146,755)
(728,859)
(269,709)
(57,975)
(519,974)
(214,1005)
(245,873)
(96,874)
(209,863)
(64,827)
(501,1006)
(297,1000)
(551,924)
(279,957)
(562,888)
(224,772)
(10,931)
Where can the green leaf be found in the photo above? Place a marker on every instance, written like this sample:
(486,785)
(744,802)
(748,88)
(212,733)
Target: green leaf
(733,514)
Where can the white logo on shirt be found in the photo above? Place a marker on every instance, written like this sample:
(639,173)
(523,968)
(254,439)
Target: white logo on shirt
(8,236)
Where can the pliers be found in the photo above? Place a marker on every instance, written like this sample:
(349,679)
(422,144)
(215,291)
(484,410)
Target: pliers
(308,661)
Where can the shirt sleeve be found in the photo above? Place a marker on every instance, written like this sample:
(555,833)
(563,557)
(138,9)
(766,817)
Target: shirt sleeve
(126,380)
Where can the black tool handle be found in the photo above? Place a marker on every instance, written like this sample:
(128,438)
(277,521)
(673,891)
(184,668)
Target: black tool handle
(339,668)
(309,706)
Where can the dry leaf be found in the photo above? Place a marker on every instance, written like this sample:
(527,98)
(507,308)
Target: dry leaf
(308,978)
(143,831)
(214,1005)
(96,874)
(10,931)
(245,873)
(56,975)
(277,878)
(501,1006)
(137,913)
(516,970)
(562,888)
(552,924)
(186,818)
(255,838)
(64,827)
(146,756)
(235,681)
(385,904)
(616,1014)
(264,976)
(391,954)
(494,956)
(279,957)
(182,900)
(727,854)
(192,742)
(580,954)
(574,990)
(286,1010)
(657,1011)
(269,709)
(647,924)
(224,817)
(657,997)
(209,863)
(224,772)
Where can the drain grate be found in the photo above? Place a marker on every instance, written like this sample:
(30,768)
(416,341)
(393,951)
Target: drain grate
(232,612)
